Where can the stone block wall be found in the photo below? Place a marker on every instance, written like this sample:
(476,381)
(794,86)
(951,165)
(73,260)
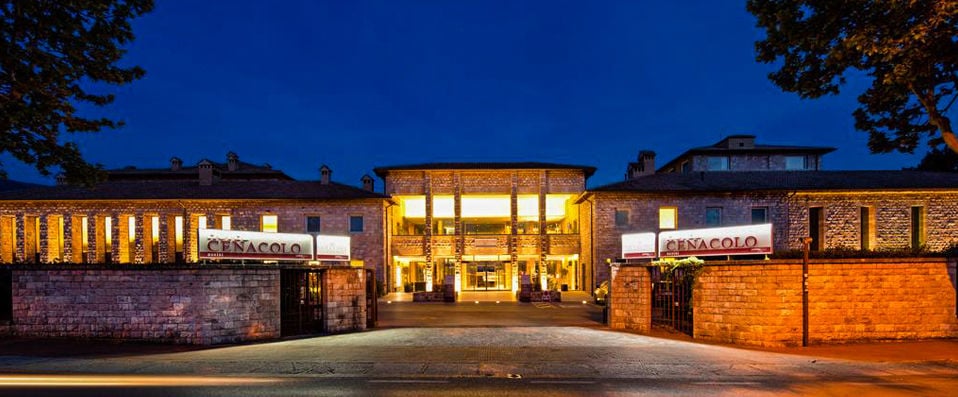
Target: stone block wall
(344,300)
(631,306)
(760,304)
(178,305)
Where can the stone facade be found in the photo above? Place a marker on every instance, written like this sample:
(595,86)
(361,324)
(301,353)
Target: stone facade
(344,300)
(631,307)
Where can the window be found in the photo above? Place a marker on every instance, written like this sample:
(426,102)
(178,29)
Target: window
(816,226)
(759,215)
(355,224)
(668,217)
(225,222)
(686,167)
(270,224)
(713,216)
(796,163)
(621,218)
(312,224)
(201,222)
(867,228)
(717,163)
(917,226)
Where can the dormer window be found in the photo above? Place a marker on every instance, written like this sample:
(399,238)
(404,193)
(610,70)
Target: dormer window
(796,162)
(717,163)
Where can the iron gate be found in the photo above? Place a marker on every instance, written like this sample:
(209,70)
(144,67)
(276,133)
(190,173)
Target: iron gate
(371,299)
(672,299)
(301,304)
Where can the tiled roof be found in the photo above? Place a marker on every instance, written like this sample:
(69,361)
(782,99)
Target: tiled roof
(736,181)
(383,171)
(718,149)
(220,170)
(15,185)
(181,189)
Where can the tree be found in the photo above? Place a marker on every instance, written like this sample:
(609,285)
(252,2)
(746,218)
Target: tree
(908,48)
(51,52)
(939,160)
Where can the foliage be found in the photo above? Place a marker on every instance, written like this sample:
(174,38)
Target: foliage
(691,267)
(50,50)
(939,160)
(907,48)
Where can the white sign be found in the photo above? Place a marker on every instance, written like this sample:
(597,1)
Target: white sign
(332,248)
(236,244)
(638,245)
(720,241)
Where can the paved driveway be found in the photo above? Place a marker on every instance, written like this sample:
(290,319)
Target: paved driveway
(489,314)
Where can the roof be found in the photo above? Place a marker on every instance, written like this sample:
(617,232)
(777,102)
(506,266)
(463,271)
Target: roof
(723,148)
(6,184)
(738,181)
(383,171)
(191,189)
(243,171)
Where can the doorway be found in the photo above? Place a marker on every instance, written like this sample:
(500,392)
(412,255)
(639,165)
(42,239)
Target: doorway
(487,276)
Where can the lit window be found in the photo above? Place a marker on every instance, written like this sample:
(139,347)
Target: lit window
(312,224)
(621,218)
(225,222)
(270,224)
(668,217)
(201,222)
(713,216)
(355,224)
(917,227)
(796,163)
(717,163)
(131,230)
(178,233)
(84,234)
(108,231)
(759,215)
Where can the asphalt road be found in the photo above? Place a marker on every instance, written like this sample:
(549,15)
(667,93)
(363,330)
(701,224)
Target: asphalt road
(476,350)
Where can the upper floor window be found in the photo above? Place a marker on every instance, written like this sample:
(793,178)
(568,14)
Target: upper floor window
(713,216)
(717,163)
(796,162)
(225,222)
(917,227)
(312,224)
(759,215)
(355,224)
(621,218)
(686,167)
(270,224)
(668,217)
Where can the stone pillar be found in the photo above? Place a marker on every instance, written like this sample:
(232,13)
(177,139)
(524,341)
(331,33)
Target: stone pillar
(513,231)
(460,238)
(188,239)
(139,251)
(94,227)
(44,239)
(543,237)
(116,234)
(163,241)
(67,253)
(427,239)
(19,254)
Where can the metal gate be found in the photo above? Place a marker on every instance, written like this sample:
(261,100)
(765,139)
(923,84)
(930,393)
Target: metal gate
(301,304)
(371,299)
(672,299)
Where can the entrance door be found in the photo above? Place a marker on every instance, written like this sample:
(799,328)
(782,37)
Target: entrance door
(487,276)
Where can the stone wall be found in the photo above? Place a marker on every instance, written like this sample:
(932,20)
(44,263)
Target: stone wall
(179,305)
(631,307)
(344,300)
(760,302)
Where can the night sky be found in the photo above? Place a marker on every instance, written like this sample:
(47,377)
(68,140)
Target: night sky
(360,84)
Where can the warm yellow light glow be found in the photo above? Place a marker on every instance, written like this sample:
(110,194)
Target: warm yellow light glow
(131,230)
(413,206)
(667,217)
(60,235)
(225,222)
(485,207)
(443,206)
(178,232)
(555,205)
(155,229)
(108,230)
(201,222)
(270,223)
(84,233)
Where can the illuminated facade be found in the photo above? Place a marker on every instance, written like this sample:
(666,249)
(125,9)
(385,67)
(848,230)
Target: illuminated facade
(485,226)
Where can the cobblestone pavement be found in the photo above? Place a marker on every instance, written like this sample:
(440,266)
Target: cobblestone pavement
(468,348)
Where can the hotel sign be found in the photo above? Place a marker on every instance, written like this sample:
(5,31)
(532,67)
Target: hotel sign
(235,244)
(332,248)
(638,245)
(721,241)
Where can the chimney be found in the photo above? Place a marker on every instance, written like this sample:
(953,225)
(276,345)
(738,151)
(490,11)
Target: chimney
(737,142)
(61,179)
(232,161)
(368,182)
(644,166)
(176,164)
(324,174)
(206,172)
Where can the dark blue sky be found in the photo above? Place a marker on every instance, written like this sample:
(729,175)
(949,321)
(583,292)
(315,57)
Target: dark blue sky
(359,84)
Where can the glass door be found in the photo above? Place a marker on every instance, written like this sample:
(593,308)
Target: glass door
(486,276)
